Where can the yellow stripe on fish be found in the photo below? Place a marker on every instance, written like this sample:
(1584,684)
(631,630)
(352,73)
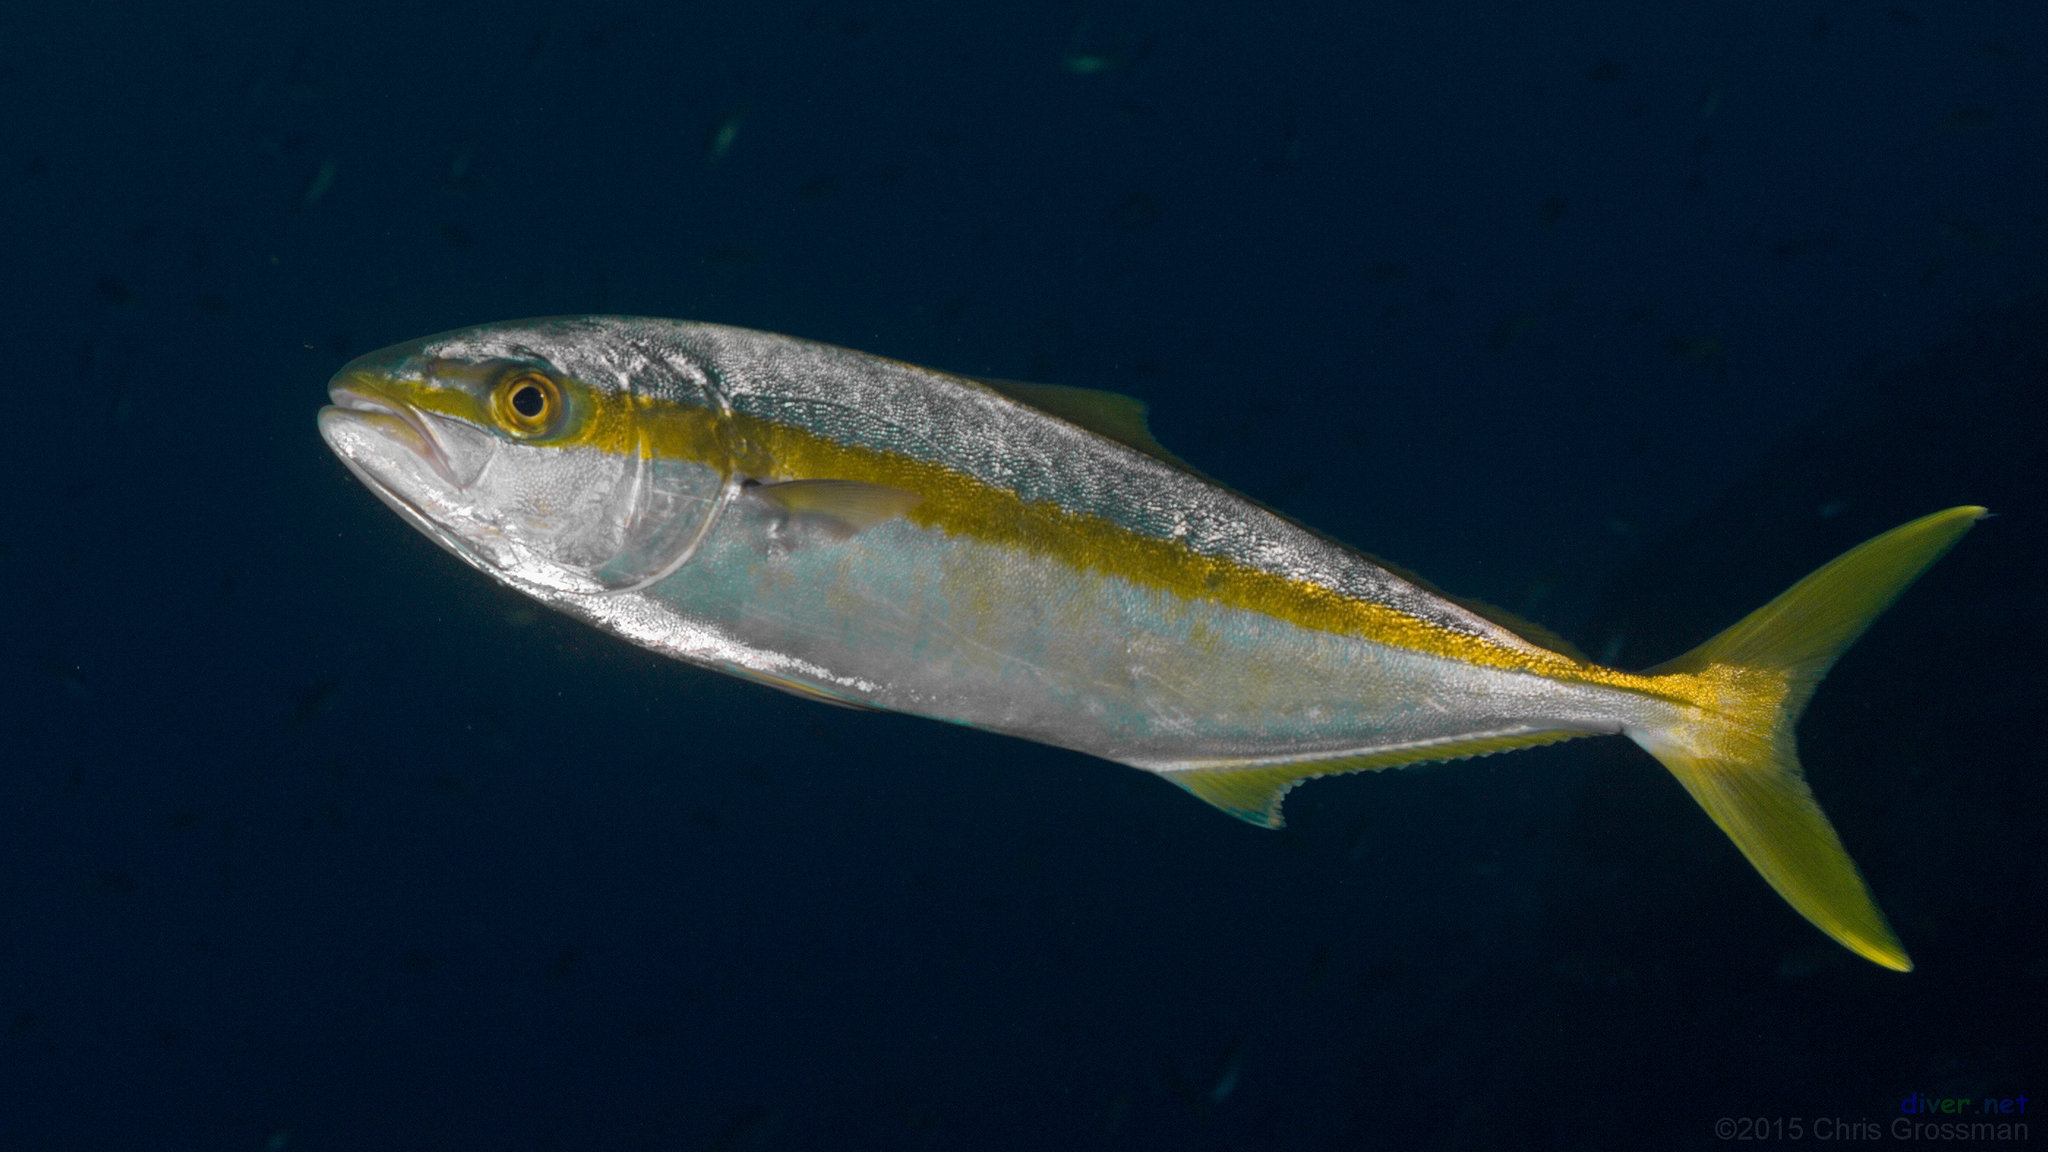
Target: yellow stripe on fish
(1026,559)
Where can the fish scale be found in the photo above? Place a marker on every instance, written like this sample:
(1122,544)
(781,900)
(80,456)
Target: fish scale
(1026,559)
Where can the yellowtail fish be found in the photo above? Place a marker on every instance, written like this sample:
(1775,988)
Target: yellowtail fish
(1028,560)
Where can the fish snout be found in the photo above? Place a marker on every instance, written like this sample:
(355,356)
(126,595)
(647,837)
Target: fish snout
(365,422)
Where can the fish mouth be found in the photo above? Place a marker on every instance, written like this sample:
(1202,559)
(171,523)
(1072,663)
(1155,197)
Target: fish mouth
(398,421)
(372,435)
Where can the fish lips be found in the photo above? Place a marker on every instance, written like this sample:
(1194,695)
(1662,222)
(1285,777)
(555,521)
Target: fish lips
(417,463)
(364,423)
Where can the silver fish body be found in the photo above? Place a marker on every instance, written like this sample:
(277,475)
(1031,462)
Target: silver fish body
(1020,559)
(982,630)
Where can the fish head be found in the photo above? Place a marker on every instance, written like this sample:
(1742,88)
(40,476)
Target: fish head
(576,455)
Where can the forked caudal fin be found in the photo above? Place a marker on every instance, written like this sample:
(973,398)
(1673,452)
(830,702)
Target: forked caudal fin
(1733,748)
(1729,739)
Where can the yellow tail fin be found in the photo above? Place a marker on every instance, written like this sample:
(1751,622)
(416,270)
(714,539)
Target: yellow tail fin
(1734,752)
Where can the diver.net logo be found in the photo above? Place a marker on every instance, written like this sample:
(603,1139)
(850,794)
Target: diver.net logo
(1921,1104)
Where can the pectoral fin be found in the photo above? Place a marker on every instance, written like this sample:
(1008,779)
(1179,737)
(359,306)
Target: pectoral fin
(841,507)
(796,687)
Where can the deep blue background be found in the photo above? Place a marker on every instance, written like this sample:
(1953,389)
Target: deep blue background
(1622,316)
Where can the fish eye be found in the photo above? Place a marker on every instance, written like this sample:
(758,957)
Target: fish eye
(527,403)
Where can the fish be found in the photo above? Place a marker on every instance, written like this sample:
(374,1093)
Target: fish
(1027,559)
(723,135)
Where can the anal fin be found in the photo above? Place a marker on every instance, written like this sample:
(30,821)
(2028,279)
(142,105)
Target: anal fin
(1252,791)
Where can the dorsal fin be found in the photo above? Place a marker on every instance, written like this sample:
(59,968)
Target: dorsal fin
(1111,415)
(1528,630)
(1122,418)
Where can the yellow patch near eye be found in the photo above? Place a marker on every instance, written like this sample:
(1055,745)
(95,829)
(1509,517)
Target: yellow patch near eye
(527,404)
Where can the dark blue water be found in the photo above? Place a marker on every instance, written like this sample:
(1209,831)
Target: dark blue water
(1621,316)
